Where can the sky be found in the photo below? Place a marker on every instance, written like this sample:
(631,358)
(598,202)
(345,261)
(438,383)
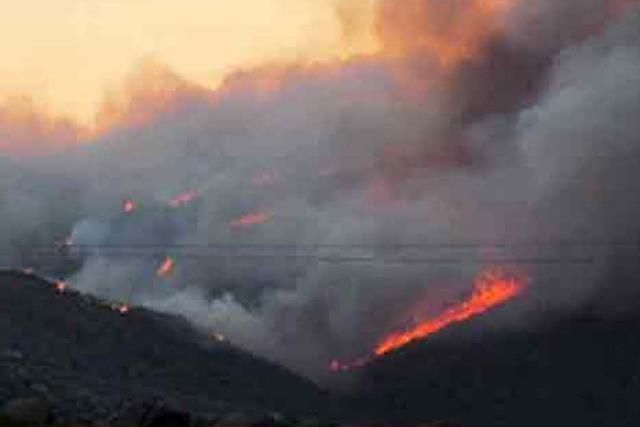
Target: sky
(67,53)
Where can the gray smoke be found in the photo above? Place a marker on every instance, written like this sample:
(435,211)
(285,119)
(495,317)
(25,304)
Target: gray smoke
(533,143)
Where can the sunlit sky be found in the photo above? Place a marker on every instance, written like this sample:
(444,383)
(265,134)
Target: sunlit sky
(66,53)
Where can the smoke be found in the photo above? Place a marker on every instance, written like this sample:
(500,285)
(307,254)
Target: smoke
(484,131)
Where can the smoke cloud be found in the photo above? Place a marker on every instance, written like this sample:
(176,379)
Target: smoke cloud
(484,132)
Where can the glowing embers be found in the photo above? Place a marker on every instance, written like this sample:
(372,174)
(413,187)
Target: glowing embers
(183,198)
(166,268)
(251,219)
(61,286)
(121,308)
(492,287)
(128,206)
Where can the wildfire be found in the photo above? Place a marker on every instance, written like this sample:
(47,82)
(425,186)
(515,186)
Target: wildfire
(166,268)
(61,286)
(128,206)
(250,219)
(183,198)
(123,308)
(491,288)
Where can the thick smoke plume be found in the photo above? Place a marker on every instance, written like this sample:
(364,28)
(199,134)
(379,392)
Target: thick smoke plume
(483,132)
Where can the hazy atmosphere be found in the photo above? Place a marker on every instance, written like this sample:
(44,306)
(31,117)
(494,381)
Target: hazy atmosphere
(306,178)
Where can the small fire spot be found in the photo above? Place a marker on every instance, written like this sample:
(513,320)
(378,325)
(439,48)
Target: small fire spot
(128,206)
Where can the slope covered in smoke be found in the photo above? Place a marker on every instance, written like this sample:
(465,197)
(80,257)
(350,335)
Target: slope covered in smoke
(89,357)
(483,132)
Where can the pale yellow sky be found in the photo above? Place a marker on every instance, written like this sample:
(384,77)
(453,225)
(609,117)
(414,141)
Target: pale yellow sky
(66,53)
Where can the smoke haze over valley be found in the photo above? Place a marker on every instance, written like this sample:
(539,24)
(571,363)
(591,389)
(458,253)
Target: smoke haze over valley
(307,210)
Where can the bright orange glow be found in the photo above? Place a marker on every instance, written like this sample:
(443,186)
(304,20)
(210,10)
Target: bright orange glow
(183,198)
(447,32)
(69,51)
(251,219)
(61,286)
(128,206)
(168,76)
(166,268)
(491,288)
(123,308)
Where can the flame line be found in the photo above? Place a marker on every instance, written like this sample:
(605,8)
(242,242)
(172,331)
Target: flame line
(491,288)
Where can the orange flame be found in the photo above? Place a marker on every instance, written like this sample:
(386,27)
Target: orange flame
(183,198)
(61,286)
(491,288)
(250,219)
(123,309)
(166,268)
(128,206)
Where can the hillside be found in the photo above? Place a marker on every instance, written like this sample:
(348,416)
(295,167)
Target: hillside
(579,369)
(89,357)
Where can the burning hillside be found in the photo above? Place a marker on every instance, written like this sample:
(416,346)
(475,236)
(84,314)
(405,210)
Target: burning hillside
(490,289)
(88,356)
(301,207)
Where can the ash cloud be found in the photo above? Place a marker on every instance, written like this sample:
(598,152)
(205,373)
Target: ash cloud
(533,139)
